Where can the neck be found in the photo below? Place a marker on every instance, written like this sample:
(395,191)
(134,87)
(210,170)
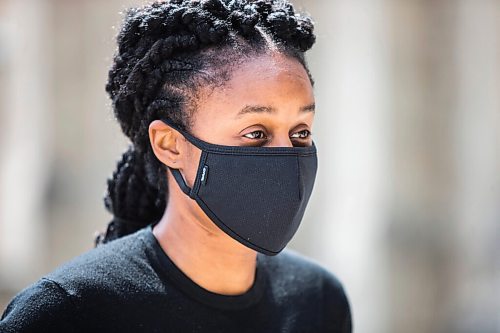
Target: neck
(204,253)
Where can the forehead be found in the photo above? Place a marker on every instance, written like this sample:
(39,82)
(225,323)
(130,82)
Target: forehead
(274,80)
(273,91)
(268,67)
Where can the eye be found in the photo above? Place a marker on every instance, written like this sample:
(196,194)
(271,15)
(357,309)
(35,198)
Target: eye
(258,135)
(304,134)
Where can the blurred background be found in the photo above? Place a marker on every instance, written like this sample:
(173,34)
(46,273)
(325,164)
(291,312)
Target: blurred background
(406,207)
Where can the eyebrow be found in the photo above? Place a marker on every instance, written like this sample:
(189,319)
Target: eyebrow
(309,108)
(267,109)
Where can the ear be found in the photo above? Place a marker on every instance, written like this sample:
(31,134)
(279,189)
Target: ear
(168,144)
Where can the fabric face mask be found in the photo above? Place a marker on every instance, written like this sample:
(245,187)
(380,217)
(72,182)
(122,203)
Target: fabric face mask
(256,195)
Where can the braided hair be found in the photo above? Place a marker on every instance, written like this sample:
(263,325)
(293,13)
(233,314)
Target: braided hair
(166,51)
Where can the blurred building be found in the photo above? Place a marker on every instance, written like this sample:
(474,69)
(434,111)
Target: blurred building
(406,208)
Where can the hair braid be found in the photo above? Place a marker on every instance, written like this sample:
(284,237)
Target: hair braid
(164,51)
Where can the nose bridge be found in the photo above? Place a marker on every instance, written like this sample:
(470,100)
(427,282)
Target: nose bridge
(281,139)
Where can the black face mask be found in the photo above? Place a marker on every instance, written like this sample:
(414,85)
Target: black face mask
(256,195)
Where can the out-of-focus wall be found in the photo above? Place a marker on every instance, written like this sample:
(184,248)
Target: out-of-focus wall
(58,139)
(406,207)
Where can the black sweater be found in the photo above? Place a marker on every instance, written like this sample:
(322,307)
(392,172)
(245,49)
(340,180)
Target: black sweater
(131,285)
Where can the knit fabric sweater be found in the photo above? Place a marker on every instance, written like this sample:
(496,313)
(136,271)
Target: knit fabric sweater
(131,285)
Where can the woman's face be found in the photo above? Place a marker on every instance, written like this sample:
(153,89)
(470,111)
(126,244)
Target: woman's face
(268,101)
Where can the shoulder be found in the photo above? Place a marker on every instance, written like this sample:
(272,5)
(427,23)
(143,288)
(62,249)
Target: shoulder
(41,305)
(300,280)
(102,264)
(98,277)
(299,268)
(110,272)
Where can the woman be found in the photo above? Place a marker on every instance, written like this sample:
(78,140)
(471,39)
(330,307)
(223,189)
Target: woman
(217,101)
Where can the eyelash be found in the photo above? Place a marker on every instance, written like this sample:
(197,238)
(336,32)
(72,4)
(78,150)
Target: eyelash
(307,133)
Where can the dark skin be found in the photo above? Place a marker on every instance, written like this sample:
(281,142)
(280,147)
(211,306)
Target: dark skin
(268,102)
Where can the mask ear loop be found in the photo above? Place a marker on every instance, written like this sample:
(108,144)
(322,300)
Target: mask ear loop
(180,180)
(175,172)
(193,140)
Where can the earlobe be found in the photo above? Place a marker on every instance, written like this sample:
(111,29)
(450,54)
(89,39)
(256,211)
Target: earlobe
(165,142)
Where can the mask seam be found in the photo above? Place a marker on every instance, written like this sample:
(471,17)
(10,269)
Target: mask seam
(268,153)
